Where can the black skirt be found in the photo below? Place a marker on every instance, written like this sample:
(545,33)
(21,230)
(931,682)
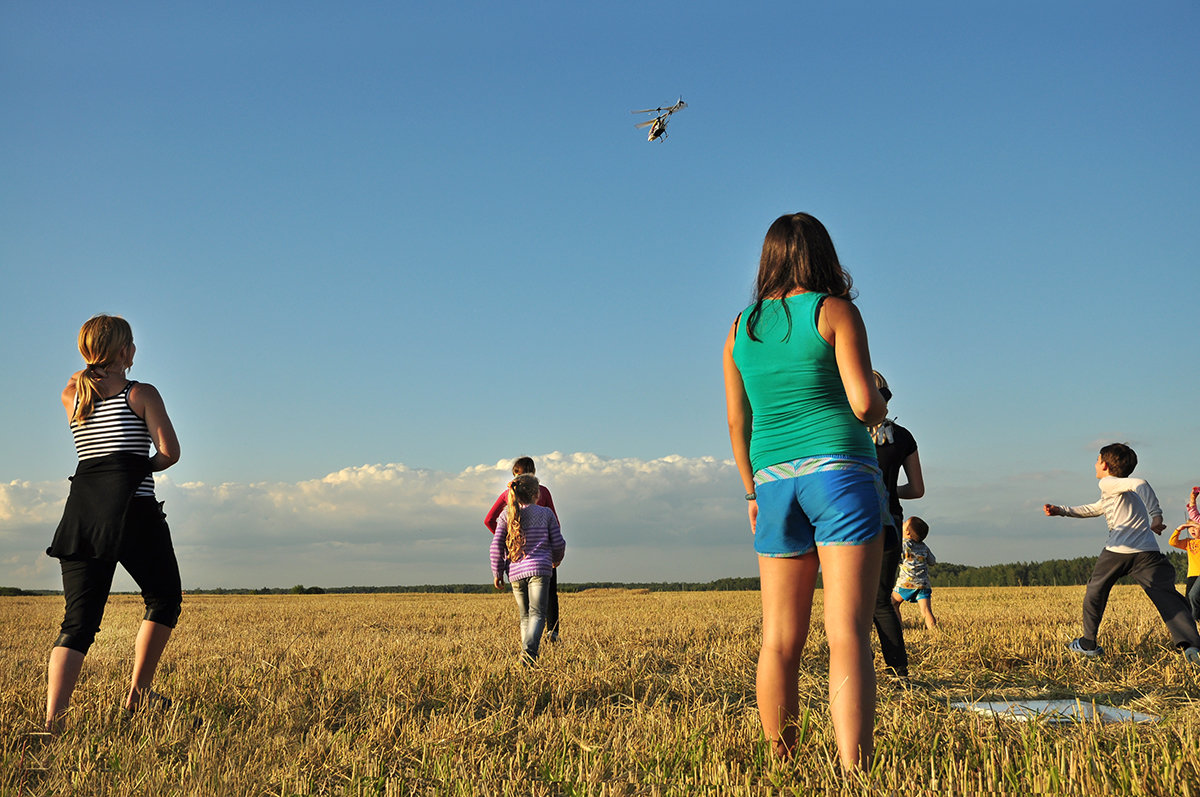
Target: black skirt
(93,520)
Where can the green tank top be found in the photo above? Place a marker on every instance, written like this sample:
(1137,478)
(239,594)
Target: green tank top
(799,405)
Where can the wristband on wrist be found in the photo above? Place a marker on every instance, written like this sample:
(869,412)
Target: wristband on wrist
(751,496)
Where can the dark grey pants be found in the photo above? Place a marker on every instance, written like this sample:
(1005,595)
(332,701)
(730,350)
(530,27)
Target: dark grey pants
(1156,576)
(552,605)
(887,622)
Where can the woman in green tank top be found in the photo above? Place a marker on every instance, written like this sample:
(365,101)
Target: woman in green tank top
(799,395)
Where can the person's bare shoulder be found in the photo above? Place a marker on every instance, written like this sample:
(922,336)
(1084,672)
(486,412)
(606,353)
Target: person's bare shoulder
(840,309)
(143,397)
(143,392)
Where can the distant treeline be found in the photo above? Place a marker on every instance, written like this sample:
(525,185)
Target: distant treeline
(1055,572)
(721,584)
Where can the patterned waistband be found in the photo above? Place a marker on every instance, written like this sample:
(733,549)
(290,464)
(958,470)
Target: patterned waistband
(803,467)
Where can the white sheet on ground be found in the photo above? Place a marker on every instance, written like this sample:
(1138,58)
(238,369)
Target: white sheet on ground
(1054,711)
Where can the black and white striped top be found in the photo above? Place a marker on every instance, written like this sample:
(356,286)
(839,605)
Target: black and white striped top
(114,428)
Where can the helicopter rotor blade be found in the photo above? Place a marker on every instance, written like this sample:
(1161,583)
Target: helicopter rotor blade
(649,110)
(646,123)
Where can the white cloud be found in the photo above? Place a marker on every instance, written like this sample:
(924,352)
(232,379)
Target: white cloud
(624,519)
(26,503)
(667,519)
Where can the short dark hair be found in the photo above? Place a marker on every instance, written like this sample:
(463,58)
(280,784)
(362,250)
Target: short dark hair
(523,465)
(1119,458)
(919,527)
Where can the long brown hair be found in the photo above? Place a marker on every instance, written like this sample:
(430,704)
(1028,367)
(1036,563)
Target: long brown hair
(102,339)
(797,254)
(522,489)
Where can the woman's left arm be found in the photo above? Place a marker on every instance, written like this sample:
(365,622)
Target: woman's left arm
(148,404)
(740,417)
(915,488)
(848,335)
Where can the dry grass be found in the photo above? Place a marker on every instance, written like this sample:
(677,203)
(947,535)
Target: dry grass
(649,693)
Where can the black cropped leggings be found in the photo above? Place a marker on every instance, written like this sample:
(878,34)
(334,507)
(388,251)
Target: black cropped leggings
(887,622)
(146,554)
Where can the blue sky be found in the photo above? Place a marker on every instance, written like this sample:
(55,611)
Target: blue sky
(372,252)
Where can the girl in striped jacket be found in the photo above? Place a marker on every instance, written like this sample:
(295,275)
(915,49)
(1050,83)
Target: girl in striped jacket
(527,546)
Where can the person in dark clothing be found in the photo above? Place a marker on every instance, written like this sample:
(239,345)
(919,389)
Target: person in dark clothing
(112,516)
(896,450)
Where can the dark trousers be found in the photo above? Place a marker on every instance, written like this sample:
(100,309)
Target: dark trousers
(1154,573)
(887,622)
(1193,595)
(552,605)
(146,554)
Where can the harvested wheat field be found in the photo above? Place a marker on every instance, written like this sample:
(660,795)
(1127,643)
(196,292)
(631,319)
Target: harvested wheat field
(647,693)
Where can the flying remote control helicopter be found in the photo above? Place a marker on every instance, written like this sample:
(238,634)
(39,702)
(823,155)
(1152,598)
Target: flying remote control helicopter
(658,125)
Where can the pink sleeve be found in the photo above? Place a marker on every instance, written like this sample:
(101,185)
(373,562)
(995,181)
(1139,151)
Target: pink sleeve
(493,516)
(1193,514)
(545,500)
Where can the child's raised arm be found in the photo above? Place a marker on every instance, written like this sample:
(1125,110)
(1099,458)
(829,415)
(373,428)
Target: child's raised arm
(1193,533)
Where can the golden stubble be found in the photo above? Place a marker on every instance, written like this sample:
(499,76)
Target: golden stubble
(647,693)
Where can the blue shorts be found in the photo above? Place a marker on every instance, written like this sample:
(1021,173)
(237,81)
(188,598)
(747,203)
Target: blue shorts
(913,595)
(818,501)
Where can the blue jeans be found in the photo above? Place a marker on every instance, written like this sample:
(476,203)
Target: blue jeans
(532,594)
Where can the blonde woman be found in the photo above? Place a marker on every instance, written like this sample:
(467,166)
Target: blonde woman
(799,396)
(527,546)
(111,515)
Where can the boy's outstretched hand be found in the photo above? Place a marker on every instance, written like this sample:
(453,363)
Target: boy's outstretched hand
(1050,509)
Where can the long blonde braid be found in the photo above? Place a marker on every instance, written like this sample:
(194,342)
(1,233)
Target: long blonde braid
(523,489)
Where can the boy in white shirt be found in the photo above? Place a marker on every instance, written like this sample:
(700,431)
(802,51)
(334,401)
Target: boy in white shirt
(1131,509)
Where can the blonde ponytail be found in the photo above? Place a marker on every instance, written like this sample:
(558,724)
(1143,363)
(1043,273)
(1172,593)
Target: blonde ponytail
(102,339)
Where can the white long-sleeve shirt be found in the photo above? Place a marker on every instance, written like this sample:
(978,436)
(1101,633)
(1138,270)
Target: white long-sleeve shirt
(1128,504)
